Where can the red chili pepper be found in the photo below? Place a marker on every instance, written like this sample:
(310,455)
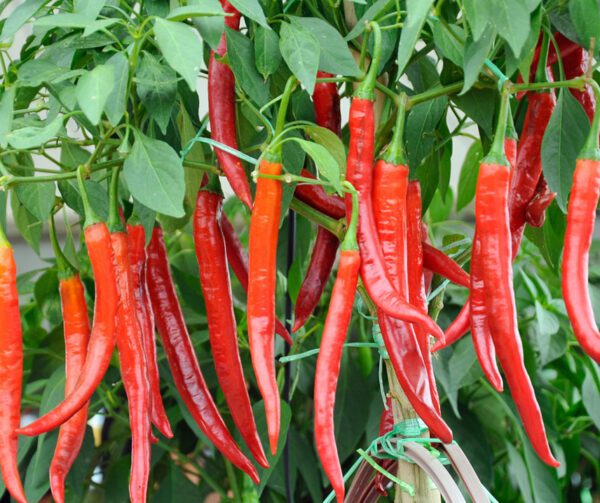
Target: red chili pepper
(416,286)
(438,262)
(137,259)
(327,112)
(330,356)
(76,332)
(359,172)
(133,368)
(239,264)
(216,287)
(262,282)
(221,111)
(581,217)
(102,337)
(315,196)
(386,423)
(492,226)
(576,64)
(535,214)
(181,357)
(11,370)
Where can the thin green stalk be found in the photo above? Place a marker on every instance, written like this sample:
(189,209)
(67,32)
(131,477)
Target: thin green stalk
(331,224)
(65,269)
(591,149)
(576,83)
(114,219)
(90,215)
(233,481)
(290,85)
(434,93)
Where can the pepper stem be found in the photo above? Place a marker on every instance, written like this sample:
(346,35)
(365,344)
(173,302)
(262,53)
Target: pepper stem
(540,72)
(511,132)
(496,154)
(290,85)
(366,88)
(349,242)
(591,149)
(65,269)
(114,219)
(4,243)
(90,215)
(213,185)
(394,154)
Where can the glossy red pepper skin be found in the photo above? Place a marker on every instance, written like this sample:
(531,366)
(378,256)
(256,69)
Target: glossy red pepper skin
(181,357)
(359,172)
(133,370)
(328,366)
(438,262)
(11,372)
(581,217)
(576,64)
(222,328)
(102,337)
(391,214)
(221,111)
(315,196)
(416,285)
(493,228)
(77,333)
(529,161)
(535,214)
(386,423)
(262,283)
(318,272)
(137,259)
(327,104)
(239,264)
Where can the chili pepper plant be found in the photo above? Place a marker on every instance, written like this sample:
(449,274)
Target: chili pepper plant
(299,250)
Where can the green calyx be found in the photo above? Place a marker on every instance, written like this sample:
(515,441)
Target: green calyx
(591,149)
(65,268)
(496,154)
(114,219)
(394,153)
(91,217)
(213,185)
(4,243)
(366,90)
(540,72)
(349,242)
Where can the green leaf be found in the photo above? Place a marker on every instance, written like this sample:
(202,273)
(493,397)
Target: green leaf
(116,103)
(544,479)
(468,175)
(20,16)
(326,163)
(251,9)
(301,51)
(176,486)
(266,51)
(374,11)
(519,473)
(93,90)
(64,20)
(440,209)
(157,89)
(6,114)
(420,129)
(417,12)
(210,28)
(38,198)
(475,54)
(564,137)
(182,48)
(590,396)
(335,56)
(36,72)
(331,142)
(585,15)
(28,226)
(241,57)
(69,190)
(99,24)
(477,17)
(448,44)
(34,136)
(154,175)
(512,21)
(195,10)
(89,8)
(479,105)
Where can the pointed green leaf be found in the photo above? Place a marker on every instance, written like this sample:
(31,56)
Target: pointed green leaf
(6,114)
(20,16)
(93,90)
(34,136)
(417,12)
(326,164)
(115,105)
(38,198)
(301,51)
(251,9)
(266,51)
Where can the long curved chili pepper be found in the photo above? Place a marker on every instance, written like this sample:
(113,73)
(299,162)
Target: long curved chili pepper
(492,225)
(581,217)
(11,370)
(319,269)
(416,285)
(221,111)
(222,330)
(327,112)
(438,262)
(137,259)
(386,423)
(576,64)
(239,264)
(330,355)
(102,337)
(133,368)
(535,213)
(76,332)
(181,357)
(359,172)
(315,196)
(262,282)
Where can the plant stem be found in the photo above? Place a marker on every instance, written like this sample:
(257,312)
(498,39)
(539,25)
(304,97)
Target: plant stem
(576,83)
(332,225)
(10,181)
